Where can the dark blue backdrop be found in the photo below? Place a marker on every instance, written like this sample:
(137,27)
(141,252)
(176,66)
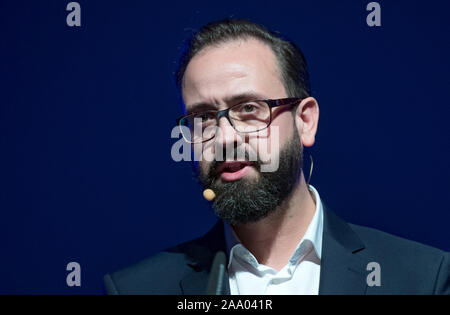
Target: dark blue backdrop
(86,114)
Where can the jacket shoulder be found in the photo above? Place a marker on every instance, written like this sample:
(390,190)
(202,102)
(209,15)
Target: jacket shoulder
(413,265)
(158,274)
(390,244)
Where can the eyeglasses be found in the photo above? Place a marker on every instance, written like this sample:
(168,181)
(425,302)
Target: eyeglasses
(245,117)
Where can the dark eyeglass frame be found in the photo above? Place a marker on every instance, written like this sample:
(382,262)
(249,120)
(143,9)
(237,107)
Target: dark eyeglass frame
(225,113)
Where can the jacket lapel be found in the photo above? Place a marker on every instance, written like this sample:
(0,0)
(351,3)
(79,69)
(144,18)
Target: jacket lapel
(342,271)
(201,256)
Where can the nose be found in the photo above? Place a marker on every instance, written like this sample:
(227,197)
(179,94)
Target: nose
(226,139)
(225,132)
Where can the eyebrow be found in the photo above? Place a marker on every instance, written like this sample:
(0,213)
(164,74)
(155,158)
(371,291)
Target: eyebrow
(231,100)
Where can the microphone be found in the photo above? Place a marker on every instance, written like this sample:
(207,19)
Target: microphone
(209,194)
(216,275)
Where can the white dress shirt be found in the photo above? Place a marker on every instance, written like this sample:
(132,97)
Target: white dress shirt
(300,276)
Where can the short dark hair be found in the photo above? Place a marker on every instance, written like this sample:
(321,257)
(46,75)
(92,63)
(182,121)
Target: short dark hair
(291,61)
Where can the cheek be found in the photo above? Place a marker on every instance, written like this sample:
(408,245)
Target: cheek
(269,141)
(206,150)
(203,167)
(205,157)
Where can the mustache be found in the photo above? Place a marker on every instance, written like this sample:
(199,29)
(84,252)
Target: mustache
(238,154)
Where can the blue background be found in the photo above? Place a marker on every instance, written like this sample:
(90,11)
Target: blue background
(86,113)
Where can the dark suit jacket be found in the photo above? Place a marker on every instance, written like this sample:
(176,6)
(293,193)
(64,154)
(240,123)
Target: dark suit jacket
(406,267)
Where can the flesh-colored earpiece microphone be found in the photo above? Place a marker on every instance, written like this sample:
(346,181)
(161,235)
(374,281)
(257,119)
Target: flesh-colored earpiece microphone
(209,194)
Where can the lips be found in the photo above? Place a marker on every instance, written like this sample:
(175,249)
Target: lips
(234,170)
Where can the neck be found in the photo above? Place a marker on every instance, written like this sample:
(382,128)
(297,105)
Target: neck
(273,239)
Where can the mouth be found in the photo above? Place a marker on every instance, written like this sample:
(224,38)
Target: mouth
(233,170)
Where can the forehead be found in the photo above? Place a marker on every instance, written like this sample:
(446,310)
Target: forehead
(232,68)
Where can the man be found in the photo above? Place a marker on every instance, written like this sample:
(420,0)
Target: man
(244,87)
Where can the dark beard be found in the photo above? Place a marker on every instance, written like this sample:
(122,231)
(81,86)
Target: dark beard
(250,200)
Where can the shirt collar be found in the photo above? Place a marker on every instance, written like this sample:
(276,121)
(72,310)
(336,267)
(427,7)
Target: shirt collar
(313,233)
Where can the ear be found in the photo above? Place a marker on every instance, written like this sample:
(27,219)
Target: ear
(306,120)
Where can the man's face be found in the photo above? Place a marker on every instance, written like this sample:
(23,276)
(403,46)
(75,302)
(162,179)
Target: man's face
(219,77)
